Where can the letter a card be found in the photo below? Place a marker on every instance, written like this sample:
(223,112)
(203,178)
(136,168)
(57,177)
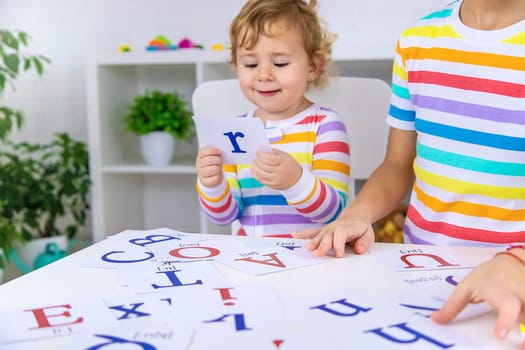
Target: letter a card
(259,259)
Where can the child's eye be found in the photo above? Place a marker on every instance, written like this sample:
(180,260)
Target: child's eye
(252,65)
(278,64)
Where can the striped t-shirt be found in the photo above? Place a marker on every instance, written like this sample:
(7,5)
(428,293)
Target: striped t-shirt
(318,140)
(463,91)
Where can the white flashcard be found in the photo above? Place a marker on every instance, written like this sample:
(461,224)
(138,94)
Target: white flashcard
(153,278)
(189,250)
(257,297)
(117,254)
(414,258)
(257,259)
(295,246)
(176,336)
(306,340)
(148,236)
(132,247)
(343,309)
(288,341)
(145,310)
(246,325)
(238,138)
(387,323)
(434,283)
(55,320)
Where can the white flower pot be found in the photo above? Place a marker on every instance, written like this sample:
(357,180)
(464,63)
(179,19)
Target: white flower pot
(29,251)
(157,148)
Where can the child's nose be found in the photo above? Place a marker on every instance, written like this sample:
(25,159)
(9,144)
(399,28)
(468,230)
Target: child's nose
(264,73)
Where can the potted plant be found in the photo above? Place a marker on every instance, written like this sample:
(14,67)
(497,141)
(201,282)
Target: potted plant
(43,187)
(14,60)
(159,118)
(44,190)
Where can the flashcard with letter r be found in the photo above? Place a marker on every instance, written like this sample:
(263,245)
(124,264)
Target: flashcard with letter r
(238,138)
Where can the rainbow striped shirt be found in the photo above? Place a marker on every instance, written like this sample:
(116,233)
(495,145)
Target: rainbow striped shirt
(463,92)
(318,140)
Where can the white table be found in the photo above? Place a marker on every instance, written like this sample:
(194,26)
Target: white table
(67,279)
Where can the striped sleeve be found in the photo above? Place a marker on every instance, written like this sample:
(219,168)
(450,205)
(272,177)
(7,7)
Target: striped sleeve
(222,203)
(321,193)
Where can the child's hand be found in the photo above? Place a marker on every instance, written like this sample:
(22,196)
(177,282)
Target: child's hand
(278,170)
(501,283)
(209,166)
(336,234)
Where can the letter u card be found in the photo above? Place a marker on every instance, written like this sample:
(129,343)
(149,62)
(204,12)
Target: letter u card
(411,258)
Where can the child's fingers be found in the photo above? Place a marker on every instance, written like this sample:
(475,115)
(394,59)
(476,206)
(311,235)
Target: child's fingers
(457,301)
(306,234)
(507,305)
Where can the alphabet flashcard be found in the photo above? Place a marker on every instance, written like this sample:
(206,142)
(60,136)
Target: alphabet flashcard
(54,320)
(175,336)
(144,310)
(294,245)
(163,278)
(413,258)
(254,258)
(251,315)
(401,322)
(238,138)
(435,283)
(134,247)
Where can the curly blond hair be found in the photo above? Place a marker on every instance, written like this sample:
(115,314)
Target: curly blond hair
(257,16)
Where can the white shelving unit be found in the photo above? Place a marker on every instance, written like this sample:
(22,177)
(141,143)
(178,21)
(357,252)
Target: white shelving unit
(127,193)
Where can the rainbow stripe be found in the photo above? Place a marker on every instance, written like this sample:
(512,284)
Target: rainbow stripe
(463,92)
(318,140)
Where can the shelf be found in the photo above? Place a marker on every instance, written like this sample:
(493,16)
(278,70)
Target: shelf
(127,193)
(147,169)
(191,56)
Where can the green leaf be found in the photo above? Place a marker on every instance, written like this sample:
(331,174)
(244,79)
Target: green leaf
(12,62)
(27,64)
(7,38)
(38,66)
(22,37)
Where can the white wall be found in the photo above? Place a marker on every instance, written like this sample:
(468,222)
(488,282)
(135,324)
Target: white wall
(67,31)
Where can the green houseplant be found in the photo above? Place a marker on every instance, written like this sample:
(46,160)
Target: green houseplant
(159,118)
(155,110)
(44,188)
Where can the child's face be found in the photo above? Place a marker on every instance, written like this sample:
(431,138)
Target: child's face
(274,74)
